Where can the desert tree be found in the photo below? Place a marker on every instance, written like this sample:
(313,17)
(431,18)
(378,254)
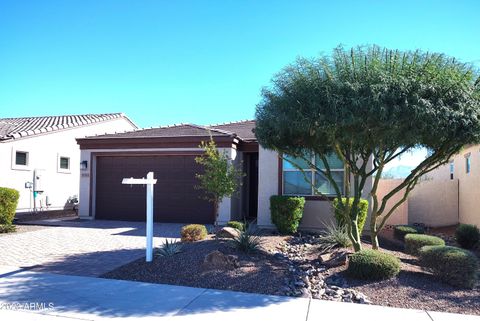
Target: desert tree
(368,106)
(220,177)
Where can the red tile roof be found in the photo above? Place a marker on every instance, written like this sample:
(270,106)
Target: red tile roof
(242,130)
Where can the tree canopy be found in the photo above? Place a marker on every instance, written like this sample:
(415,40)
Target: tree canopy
(370,105)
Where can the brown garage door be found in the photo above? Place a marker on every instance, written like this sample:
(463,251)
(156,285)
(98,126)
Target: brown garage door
(176,199)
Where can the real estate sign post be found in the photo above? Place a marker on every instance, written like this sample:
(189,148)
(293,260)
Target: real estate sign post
(149,181)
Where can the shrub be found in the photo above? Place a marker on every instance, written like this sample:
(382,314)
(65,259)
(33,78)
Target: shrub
(400,231)
(286,212)
(169,248)
(450,264)
(238,225)
(362,213)
(247,241)
(334,236)
(467,235)
(373,265)
(413,242)
(193,232)
(7,228)
(8,205)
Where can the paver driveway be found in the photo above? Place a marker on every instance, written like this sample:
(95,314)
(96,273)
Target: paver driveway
(88,248)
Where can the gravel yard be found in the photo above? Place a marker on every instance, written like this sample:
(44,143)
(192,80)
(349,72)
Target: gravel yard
(257,273)
(291,266)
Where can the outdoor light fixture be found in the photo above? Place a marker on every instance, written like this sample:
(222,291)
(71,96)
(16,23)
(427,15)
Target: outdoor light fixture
(84,165)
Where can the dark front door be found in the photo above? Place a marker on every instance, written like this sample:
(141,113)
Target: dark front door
(175,197)
(253,185)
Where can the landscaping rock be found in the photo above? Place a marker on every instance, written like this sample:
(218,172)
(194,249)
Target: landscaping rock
(216,260)
(228,232)
(306,276)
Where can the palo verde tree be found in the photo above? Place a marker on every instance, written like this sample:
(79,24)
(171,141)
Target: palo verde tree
(221,178)
(370,105)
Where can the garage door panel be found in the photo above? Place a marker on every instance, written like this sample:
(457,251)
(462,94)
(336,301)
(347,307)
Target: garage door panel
(175,198)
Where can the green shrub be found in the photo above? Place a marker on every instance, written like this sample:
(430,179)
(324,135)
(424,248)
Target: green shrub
(193,232)
(467,236)
(8,205)
(236,224)
(362,212)
(7,228)
(334,236)
(414,242)
(450,264)
(400,231)
(286,212)
(373,265)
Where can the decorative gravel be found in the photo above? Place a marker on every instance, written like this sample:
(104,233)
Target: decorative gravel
(290,266)
(257,273)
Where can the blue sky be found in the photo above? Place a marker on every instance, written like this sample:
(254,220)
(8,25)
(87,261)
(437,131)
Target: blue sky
(164,62)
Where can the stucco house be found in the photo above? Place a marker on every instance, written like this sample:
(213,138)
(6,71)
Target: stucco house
(39,156)
(463,170)
(170,153)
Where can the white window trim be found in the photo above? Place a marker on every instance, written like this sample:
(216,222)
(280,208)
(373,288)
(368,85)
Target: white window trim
(14,160)
(64,170)
(312,173)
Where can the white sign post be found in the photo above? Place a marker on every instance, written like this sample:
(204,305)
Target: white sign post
(149,181)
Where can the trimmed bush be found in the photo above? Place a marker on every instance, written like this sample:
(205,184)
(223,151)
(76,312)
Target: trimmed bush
(362,212)
(193,232)
(373,265)
(286,212)
(414,242)
(236,224)
(8,205)
(400,231)
(450,264)
(467,235)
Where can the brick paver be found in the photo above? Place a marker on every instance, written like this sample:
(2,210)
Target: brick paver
(87,248)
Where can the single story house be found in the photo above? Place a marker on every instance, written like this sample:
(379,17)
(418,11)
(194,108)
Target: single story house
(170,153)
(39,156)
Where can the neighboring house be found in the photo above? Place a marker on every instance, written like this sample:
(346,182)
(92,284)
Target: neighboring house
(39,156)
(464,168)
(170,153)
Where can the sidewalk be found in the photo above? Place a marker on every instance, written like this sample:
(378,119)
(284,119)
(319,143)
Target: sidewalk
(87,298)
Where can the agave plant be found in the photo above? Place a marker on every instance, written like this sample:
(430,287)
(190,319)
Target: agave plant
(169,248)
(247,241)
(334,236)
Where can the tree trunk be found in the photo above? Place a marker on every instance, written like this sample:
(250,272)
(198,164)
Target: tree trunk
(374,232)
(356,242)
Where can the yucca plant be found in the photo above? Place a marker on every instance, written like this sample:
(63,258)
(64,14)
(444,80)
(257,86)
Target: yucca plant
(169,248)
(334,236)
(247,241)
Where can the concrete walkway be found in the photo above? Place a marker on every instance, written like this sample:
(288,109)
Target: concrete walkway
(87,298)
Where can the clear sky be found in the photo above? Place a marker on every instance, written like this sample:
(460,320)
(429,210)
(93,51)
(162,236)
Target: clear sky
(164,62)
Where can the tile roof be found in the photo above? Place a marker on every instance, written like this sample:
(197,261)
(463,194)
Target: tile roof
(11,128)
(242,130)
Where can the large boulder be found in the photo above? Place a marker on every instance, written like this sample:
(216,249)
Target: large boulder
(228,232)
(334,259)
(216,260)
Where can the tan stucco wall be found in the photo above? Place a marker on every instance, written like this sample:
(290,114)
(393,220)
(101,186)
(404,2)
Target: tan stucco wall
(468,184)
(317,213)
(434,203)
(400,215)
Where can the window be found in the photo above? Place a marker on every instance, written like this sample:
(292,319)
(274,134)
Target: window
(21,158)
(294,179)
(467,163)
(64,163)
(452,169)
